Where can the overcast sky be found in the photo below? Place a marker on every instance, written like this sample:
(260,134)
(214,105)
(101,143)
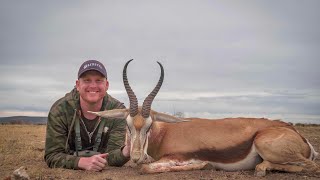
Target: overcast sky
(221,58)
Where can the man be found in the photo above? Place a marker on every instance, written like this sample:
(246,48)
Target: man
(76,139)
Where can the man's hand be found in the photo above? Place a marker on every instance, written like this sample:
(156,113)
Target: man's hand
(126,151)
(93,163)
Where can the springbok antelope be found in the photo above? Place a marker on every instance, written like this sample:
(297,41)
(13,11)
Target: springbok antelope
(227,144)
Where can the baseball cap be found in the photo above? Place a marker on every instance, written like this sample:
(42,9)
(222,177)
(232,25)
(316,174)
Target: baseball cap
(92,65)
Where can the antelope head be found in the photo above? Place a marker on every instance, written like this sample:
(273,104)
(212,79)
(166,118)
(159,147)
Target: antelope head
(139,119)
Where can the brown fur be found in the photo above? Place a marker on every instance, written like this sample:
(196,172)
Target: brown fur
(205,139)
(200,139)
(138,122)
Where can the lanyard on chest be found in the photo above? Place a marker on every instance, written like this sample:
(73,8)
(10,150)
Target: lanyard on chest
(78,144)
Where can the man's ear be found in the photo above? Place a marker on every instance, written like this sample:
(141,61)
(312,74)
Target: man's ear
(107,84)
(77,84)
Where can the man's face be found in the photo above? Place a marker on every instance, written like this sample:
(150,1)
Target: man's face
(92,87)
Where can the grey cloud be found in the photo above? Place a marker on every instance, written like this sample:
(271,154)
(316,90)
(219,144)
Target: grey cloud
(205,46)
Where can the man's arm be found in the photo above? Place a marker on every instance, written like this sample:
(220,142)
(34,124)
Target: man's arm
(119,153)
(115,146)
(56,137)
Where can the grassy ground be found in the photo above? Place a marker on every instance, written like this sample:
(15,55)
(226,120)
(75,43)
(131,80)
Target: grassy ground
(23,145)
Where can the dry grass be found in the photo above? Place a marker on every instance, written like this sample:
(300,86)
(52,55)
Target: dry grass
(23,145)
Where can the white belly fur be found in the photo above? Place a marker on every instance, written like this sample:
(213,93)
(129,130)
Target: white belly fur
(248,163)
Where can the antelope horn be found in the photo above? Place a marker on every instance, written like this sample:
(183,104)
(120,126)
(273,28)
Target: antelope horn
(146,107)
(132,97)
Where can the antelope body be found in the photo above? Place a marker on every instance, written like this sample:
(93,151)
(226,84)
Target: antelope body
(232,144)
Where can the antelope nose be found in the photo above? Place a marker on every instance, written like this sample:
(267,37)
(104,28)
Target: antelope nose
(135,160)
(135,156)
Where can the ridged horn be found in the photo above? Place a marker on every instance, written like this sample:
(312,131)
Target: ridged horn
(146,107)
(132,97)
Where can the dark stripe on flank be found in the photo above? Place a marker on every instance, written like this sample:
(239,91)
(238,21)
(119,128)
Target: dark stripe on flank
(228,155)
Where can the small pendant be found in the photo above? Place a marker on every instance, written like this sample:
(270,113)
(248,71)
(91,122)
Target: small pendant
(90,137)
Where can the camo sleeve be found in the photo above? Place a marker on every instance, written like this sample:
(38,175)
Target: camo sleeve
(56,137)
(116,142)
(116,139)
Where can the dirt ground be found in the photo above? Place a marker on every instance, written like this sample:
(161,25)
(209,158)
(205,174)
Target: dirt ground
(23,145)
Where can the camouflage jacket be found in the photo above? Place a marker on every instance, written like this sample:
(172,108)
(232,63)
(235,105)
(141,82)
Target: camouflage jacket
(59,148)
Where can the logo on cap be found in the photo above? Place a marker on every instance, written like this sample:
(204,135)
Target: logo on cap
(92,64)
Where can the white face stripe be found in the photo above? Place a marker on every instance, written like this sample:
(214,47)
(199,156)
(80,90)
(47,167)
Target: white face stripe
(132,133)
(143,135)
(129,120)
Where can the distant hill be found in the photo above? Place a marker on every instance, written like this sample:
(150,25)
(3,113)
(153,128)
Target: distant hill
(23,120)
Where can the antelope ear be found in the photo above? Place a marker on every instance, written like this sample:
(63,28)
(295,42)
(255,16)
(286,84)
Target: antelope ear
(115,113)
(166,118)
